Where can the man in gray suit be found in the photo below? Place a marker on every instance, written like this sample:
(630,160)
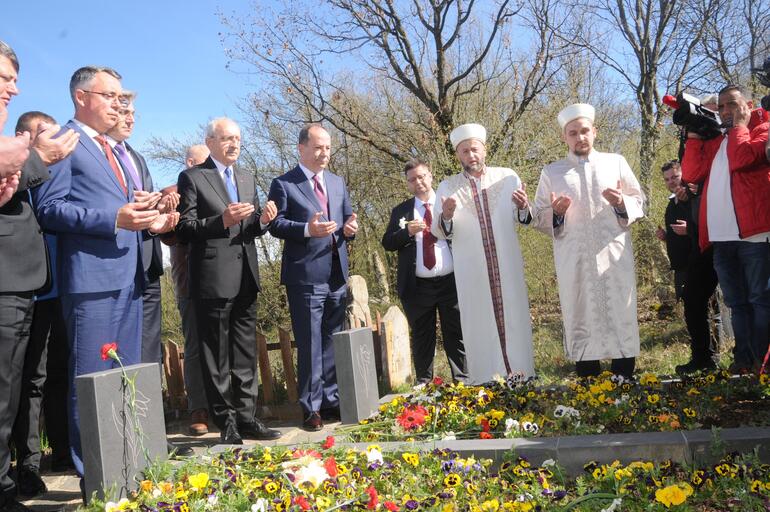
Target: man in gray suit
(220,219)
(23,250)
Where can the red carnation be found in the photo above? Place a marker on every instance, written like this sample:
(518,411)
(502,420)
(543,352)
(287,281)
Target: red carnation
(329,443)
(486,435)
(109,351)
(303,503)
(390,506)
(437,381)
(372,492)
(330,465)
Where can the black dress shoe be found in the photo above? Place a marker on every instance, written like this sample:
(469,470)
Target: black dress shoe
(181,451)
(331,414)
(29,483)
(12,505)
(257,430)
(313,422)
(230,435)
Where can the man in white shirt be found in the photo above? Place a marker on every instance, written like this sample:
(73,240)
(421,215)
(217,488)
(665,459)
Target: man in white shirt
(426,282)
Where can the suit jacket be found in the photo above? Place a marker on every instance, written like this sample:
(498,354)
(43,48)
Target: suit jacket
(308,261)
(215,252)
(152,255)
(398,239)
(680,249)
(21,240)
(80,204)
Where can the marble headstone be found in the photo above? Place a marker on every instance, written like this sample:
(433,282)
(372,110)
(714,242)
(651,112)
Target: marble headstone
(397,349)
(356,374)
(116,443)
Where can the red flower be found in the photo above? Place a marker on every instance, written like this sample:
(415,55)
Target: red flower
(486,435)
(331,466)
(107,348)
(303,503)
(329,443)
(390,506)
(298,454)
(372,492)
(438,381)
(485,425)
(412,417)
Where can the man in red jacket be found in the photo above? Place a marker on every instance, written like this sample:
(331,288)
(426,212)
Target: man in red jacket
(735,218)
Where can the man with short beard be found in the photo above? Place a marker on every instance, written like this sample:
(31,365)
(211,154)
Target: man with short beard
(586,203)
(478,210)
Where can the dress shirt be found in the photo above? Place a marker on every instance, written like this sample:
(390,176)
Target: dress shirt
(444,264)
(221,169)
(93,134)
(309,175)
(126,174)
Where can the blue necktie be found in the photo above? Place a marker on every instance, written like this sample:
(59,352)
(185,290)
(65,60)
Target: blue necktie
(230,185)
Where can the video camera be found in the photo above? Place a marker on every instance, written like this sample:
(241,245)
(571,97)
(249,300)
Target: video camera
(763,75)
(694,117)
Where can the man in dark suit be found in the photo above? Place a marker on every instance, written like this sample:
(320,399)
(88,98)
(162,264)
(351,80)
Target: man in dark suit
(98,223)
(135,167)
(44,378)
(22,248)
(220,217)
(425,279)
(694,277)
(315,221)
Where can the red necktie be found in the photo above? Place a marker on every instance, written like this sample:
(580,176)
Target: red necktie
(428,240)
(319,193)
(113,163)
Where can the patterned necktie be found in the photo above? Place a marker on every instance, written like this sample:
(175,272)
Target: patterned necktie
(428,241)
(113,163)
(319,193)
(231,190)
(128,165)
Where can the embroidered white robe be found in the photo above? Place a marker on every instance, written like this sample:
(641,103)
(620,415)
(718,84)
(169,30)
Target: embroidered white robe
(491,290)
(593,254)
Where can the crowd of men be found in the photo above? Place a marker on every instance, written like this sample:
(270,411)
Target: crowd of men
(83,225)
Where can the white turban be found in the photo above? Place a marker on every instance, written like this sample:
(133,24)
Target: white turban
(468,131)
(576,111)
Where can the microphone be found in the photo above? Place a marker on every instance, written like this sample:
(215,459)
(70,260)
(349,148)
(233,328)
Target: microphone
(671,101)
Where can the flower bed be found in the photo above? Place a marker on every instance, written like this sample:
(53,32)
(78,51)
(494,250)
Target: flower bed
(607,404)
(325,478)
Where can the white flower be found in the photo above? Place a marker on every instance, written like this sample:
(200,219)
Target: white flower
(563,410)
(260,505)
(530,427)
(548,462)
(402,222)
(111,506)
(449,436)
(212,500)
(511,424)
(613,506)
(374,455)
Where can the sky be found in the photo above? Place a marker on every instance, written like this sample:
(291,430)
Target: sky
(168,51)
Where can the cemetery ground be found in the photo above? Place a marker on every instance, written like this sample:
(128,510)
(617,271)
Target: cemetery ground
(377,476)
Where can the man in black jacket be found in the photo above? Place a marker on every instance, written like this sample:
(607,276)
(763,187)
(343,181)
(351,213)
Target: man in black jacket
(23,250)
(220,217)
(426,282)
(694,276)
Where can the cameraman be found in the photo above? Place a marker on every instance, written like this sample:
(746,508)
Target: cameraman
(733,172)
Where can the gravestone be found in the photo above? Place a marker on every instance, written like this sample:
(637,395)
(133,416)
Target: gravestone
(118,442)
(356,374)
(397,352)
(359,314)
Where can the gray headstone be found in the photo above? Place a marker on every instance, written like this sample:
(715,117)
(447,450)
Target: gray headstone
(356,374)
(117,444)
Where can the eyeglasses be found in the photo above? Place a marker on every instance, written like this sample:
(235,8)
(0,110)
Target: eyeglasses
(109,96)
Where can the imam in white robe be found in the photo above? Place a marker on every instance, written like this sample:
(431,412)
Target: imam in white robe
(593,254)
(489,273)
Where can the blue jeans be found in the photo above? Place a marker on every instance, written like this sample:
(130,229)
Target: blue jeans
(743,269)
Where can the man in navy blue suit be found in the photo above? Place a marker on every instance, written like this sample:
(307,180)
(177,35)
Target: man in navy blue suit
(315,220)
(90,205)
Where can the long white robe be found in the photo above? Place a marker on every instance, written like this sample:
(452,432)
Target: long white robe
(593,254)
(475,282)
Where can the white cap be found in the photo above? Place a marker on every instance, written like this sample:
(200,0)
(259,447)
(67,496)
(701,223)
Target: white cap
(468,131)
(575,111)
